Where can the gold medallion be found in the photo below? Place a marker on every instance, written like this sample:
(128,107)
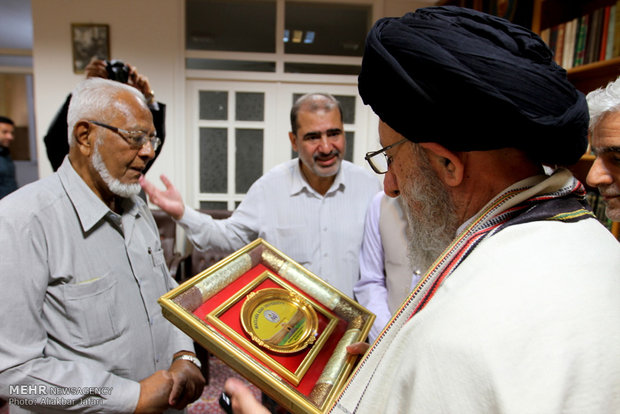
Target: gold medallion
(279,320)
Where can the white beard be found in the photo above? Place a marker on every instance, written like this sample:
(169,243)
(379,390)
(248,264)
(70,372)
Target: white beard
(431,218)
(114,185)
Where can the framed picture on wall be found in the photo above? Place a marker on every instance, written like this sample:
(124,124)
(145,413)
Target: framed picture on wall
(89,40)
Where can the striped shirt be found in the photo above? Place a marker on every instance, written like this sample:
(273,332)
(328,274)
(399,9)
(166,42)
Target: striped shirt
(323,233)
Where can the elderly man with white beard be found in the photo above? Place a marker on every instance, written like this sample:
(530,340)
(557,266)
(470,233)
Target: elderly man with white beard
(82,268)
(518,311)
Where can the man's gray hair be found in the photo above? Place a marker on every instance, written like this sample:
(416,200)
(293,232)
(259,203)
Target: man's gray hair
(92,99)
(602,101)
(313,102)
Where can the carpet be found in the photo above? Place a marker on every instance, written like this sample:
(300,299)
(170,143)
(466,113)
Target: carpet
(208,403)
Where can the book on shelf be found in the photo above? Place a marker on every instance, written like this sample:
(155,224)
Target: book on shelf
(544,35)
(593,37)
(604,32)
(580,40)
(553,40)
(609,49)
(558,49)
(616,46)
(569,43)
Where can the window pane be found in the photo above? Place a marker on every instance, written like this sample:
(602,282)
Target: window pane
(321,68)
(347,102)
(326,29)
(213,160)
(249,106)
(235,65)
(234,25)
(348,155)
(296,96)
(248,158)
(213,205)
(213,105)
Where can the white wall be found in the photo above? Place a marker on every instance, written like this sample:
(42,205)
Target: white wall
(146,33)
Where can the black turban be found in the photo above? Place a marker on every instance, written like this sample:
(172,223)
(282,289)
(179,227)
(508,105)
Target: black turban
(471,81)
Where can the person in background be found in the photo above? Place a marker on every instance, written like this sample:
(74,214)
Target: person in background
(312,207)
(82,269)
(387,276)
(56,139)
(604,106)
(519,311)
(8,184)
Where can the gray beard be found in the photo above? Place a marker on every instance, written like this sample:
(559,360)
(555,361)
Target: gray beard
(431,217)
(114,185)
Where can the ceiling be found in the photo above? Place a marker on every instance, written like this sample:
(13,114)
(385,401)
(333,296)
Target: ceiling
(15,24)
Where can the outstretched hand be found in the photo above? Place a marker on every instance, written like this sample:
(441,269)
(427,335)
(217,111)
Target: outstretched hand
(169,200)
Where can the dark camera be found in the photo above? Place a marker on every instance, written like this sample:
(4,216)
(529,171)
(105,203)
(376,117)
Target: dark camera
(117,71)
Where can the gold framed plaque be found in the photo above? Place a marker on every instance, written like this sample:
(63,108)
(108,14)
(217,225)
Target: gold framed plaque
(274,322)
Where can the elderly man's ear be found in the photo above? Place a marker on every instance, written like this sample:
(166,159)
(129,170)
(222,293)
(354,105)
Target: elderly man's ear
(84,137)
(448,165)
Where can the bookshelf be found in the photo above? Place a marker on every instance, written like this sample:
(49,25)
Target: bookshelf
(586,77)
(547,14)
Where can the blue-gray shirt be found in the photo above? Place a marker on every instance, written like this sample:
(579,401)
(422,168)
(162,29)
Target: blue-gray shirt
(79,298)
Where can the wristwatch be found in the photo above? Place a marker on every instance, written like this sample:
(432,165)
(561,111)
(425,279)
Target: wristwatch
(190,358)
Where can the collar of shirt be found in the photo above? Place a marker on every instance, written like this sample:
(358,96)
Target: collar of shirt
(88,207)
(300,183)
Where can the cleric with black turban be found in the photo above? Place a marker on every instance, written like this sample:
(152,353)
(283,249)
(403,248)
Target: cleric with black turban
(471,81)
(516,309)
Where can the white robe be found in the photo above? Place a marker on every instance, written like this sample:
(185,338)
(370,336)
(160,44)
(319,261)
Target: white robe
(528,323)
